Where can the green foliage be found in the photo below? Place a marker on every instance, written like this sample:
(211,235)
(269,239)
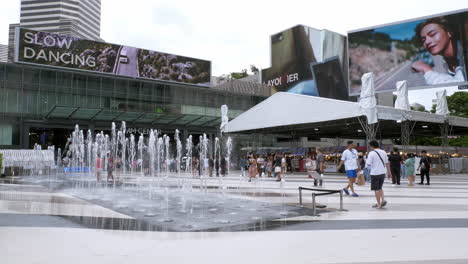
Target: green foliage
(239,75)
(420,109)
(433,109)
(1,161)
(433,141)
(426,141)
(459,142)
(254,69)
(458,104)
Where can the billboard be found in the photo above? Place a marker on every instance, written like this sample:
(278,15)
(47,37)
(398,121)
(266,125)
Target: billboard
(427,52)
(55,50)
(308,61)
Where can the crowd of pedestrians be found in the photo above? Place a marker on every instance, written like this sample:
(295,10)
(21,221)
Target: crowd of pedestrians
(376,165)
(372,167)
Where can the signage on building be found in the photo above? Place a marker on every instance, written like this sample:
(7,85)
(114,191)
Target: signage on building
(55,50)
(427,52)
(309,62)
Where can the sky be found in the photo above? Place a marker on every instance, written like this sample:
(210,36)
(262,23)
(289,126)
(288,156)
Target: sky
(235,34)
(403,31)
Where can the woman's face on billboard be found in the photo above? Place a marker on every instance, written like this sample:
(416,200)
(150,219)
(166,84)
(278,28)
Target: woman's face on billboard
(435,39)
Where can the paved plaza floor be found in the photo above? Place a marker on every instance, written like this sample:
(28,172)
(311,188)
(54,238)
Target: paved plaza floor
(421,224)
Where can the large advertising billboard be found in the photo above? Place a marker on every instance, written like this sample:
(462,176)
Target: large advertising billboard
(55,50)
(308,61)
(428,52)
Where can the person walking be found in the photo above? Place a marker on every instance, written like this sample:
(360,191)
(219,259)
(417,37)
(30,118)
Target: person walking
(425,167)
(320,167)
(289,167)
(284,165)
(278,168)
(350,159)
(377,162)
(223,166)
(211,166)
(260,165)
(252,167)
(110,168)
(217,163)
(409,168)
(99,168)
(270,165)
(243,165)
(395,166)
(309,166)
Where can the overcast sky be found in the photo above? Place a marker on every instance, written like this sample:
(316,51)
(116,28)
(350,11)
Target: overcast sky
(235,34)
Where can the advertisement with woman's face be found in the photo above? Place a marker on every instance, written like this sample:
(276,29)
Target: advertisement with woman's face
(425,52)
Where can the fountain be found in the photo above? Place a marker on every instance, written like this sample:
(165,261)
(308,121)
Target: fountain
(178,201)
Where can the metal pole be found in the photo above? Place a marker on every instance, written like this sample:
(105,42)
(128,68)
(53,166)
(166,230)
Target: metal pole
(300,195)
(314,213)
(341,200)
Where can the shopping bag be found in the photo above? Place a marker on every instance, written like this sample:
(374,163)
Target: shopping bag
(361,180)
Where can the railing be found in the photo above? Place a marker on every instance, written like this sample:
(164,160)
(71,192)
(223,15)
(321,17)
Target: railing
(323,192)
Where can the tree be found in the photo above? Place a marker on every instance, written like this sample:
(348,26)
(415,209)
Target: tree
(433,109)
(458,104)
(420,109)
(459,141)
(254,69)
(239,75)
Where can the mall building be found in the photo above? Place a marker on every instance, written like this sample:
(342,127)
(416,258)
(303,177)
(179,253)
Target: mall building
(42,105)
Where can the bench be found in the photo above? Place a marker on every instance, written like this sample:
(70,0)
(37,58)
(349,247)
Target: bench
(322,192)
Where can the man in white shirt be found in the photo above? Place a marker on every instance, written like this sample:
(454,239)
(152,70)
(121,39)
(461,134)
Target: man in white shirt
(377,162)
(350,159)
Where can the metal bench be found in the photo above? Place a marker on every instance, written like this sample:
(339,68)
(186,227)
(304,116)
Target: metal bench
(323,192)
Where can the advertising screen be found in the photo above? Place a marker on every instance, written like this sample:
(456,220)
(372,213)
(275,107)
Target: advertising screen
(55,50)
(297,55)
(429,52)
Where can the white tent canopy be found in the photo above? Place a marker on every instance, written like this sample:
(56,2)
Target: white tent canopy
(286,109)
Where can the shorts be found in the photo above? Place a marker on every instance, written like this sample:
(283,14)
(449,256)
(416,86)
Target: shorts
(377,182)
(351,173)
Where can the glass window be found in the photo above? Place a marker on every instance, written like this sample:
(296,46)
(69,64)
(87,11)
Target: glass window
(145,89)
(79,83)
(47,77)
(133,90)
(121,86)
(64,82)
(93,86)
(31,79)
(13,76)
(107,86)
(6,134)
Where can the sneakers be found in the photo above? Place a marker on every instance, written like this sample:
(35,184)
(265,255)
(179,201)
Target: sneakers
(384,203)
(346,191)
(355,195)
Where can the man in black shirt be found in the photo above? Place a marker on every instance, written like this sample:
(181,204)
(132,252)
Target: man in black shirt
(395,165)
(425,166)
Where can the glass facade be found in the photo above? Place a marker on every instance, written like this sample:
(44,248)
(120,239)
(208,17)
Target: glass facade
(34,97)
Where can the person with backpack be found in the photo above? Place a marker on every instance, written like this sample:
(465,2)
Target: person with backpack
(395,166)
(425,167)
(377,162)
